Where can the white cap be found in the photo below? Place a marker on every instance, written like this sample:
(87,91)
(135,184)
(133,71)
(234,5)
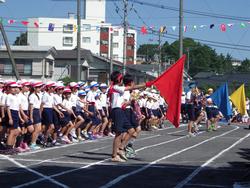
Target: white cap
(103,85)
(94,84)
(73,84)
(50,83)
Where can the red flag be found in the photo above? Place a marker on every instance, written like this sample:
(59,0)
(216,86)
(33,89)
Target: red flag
(144,30)
(25,23)
(223,27)
(36,24)
(170,86)
(11,21)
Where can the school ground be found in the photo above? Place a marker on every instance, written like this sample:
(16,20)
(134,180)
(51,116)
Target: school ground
(165,158)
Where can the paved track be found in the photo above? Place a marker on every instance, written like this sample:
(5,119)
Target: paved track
(166,158)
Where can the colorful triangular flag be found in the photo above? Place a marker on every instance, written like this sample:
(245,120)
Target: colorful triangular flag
(25,23)
(243,25)
(211,26)
(36,24)
(174,28)
(144,30)
(51,27)
(185,28)
(11,21)
(194,27)
(223,27)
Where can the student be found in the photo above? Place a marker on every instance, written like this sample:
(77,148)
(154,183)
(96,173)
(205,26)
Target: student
(47,107)
(83,114)
(35,100)
(13,115)
(104,103)
(73,86)
(27,126)
(120,122)
(96,122)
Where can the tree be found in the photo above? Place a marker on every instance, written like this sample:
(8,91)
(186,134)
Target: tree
(245,66)
(149,51)
(21,40)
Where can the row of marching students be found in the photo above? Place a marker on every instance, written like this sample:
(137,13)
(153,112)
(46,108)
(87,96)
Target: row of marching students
(37,112)
(197,107)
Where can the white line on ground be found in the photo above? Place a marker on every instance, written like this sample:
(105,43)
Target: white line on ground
(121,177)
(92,150)
(35,172)
(197,171)
(91,164)
(177,131)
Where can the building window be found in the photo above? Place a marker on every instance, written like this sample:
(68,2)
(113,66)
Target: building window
(86,27)
(104,29)
(104,42)
(68,41)
(7,69)
(27,69)
(97,42)
(104,54)
(116,33)
(130,47)
(115,56)
(131,59)
(68,28)
(86,39)
(115,45)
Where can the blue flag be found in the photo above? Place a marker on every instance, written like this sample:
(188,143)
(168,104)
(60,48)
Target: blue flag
(220,98)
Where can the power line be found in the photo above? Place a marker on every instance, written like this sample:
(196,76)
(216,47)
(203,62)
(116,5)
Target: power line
(228,17)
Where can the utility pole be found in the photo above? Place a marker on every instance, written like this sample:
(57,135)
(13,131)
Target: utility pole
(181,29)
(159,58)
(125,33)
(79,66)
(9,51)
(111,54)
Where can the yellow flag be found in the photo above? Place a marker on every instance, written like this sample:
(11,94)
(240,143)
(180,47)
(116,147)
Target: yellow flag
(239,99)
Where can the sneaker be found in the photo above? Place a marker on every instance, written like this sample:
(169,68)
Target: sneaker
(66,140)
(80,139)
(74,140)
(25,146)
(20,149)
(191,135)
(122,155)
(117,159)
(73,133)
(111,134)
(55,143)
(85,134)
(154,127)
(34,147)
(91,137)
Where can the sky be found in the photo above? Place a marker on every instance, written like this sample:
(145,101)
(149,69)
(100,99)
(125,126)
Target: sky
(153,17)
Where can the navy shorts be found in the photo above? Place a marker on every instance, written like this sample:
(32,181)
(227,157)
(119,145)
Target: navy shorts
(28,122)
(66,119)
(47,116)
(149,113)
(15,118)
(120,121)
(36,116)
(56,120)
(130,115)
(95,120)
(191,112)
(74,110)
(212,112)
(84,116)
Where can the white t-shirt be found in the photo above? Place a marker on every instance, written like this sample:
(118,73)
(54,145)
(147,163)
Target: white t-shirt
(67,104)
(91,96)
(73,99)
(142,102)
(161,101)
(57,100)
(13,102)
(149,104)
(24,101)
(247,104)
(35,100)
(126,97)
(48,100)
(117,96)
(79,105)
(3,99)
(98,104)
(104,99)
(155,105)
(183,99)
